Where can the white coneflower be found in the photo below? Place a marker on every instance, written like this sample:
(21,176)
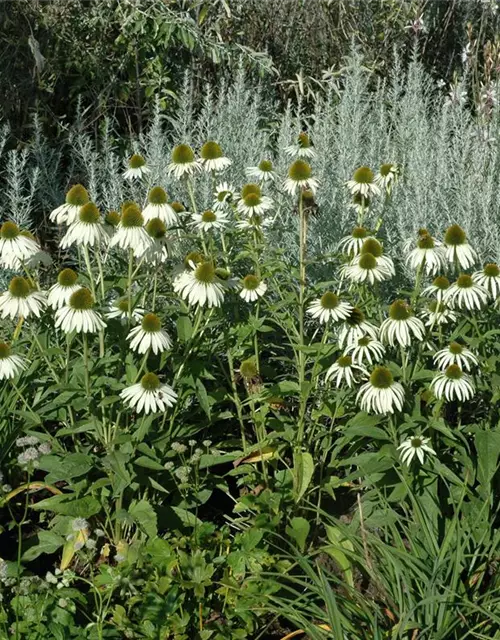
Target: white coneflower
(415,446)
(429,255)
(381,394)
(209,220)
(262,172)
(149,395)
(401,327)
(302,148)
(137,168)
(363,182)
(10,364)
(252,202)
(465,293)
(224,195)
(351,245)
(160,247)
(359,203)
(158,207)
(87,230)
(21,300)
(78,315)
(16,245)
(67,213)
(329,307)
(355,327)
(212,158)
(130,233)
(366,268)
(60,293)
(373,246)
(489,278)
(365,349)
(300,177)
(183,162)
(344,370)
(119,311)
(257,222)
(457,249)
(149,335)
(438,288)
(438,313)
(453,384)
(386,175)
(455,353)
(252,288)
(200,285)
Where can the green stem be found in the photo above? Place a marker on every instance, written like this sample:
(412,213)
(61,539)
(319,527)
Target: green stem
(237,400)
(86,364)
(302,286)
(129,282)
(155,284)
(19,554)
(86,257)
(101,274)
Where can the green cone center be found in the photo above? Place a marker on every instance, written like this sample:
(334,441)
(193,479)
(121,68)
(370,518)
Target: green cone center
(367,261)
(266,165)
(89,213)
(81,300)
(182,154)
(205,272)
(300,171)
(491,270)
(399,310)
(248,370)
(208,216)
(136,161)
(157,195)
(381,378)
(211,151)
(77,196)
(373,246)
(132,217)
(156,228)
(329,300)
(363,175)
(453,372)
(67,278)
(150,382)
(9,230)
(455,235)
(4,350)
(251,282)
(151,323)
(251,187)
(344,361)
(456,348)
(19,287)
(465,281)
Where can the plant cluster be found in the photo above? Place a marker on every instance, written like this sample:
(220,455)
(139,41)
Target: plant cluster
(204,440)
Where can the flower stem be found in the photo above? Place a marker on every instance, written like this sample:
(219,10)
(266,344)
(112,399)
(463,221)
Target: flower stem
(101,274)
(302,286)
(89,269)
(129,282)
(86,364)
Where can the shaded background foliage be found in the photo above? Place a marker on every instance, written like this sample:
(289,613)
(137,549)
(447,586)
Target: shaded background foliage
(119,56)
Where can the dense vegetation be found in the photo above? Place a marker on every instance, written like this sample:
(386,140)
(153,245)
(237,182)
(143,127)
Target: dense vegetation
(249,306)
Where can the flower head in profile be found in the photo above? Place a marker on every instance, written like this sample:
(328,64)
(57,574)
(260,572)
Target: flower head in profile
(263,172)
(11,364)
(464,293)
(302,147)
(367,268)
(300,178)
(78,315)
(67,213)
(359,203)
(455,353)
(415,446)
(21,300)
(428,255)
(438,288)
(149,395)
(119,311)
(160,246)
(453,384)
(16,246)
(387,175)
(183,162)
(344,370)
(255,222)
(60,293)
(457,249)
(437,313)
(356,326)
(401,327)
(212,157)
(252,202)
(252,288)
(158,207)
(381,394)
(329,307)
(210,220)
(363,182)
(489,279)
(87,230)
(137,168)
(224,195)
(365,350)
(149,335)
(200,285)
(351,245)
(130,233)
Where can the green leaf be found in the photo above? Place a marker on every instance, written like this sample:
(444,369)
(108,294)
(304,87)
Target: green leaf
(366,431)
(67,505)
(303,470)
(184,328)
(488,451)
(145,517)
(48,542)
(338,543)
(65,467)
(202,396)
(144,461)
(299,530)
